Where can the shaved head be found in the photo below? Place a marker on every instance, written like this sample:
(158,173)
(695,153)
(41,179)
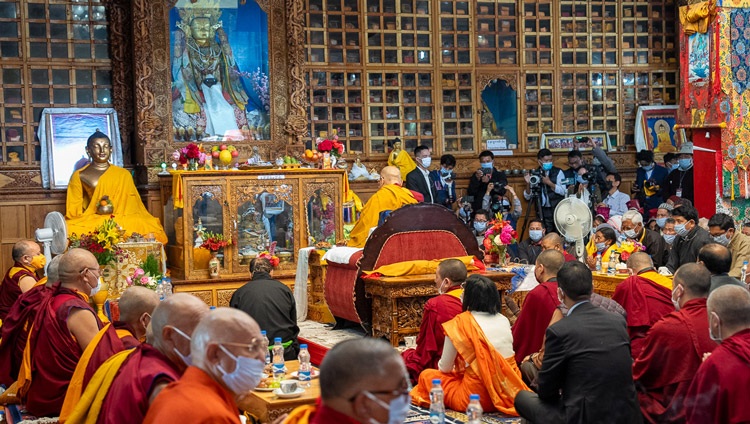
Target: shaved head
(72,267)
(732,304)
(223,325)
(551,241)
(391,175)
(53,270)
(639,261)
(694,277)
(135,303)
(337,375)
(23,248)
(552,260)
(181,310)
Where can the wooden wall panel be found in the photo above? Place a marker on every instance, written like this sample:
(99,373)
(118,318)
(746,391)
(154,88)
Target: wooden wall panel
(12,222)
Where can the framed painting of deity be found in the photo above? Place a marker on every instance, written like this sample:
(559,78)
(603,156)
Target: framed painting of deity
(219,64)
(654,129)
(563,142)
(63,133)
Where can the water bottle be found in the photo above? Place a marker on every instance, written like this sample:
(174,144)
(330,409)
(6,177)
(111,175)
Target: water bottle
(474,410)
(160,290)
(437,409)
(612,266)
(598,262)
(265,344)
(278,360)
(743,274)
(166,287)
(305,368)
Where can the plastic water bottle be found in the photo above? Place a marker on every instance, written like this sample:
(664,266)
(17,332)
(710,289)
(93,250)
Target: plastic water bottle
(166,287)
(278,360)
(743,274)
(437,409)
(474,410)
(598,262)
(305,368)
(265,344)
(612,266)
(160,290)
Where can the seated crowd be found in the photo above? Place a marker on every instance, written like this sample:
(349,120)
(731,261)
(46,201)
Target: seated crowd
(671,345)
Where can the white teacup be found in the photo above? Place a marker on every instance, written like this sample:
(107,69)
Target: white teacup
(288,386)
(410,341)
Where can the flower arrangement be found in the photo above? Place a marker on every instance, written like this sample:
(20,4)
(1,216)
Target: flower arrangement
(102,242)
(273,259)
(498,236)
(214,241)
(190,156)
(330,145)
(143,279)
(627,248)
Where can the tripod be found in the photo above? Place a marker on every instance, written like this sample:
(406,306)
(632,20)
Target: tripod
(537,201)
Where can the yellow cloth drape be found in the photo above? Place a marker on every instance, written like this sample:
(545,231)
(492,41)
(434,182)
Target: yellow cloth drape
(129,211)
(696,17)
(658,279)
(301,414)
(389,197)
(403,162)
(178,201)
(417,267)
(88,408)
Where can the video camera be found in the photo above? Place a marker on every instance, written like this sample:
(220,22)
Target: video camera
(535,180)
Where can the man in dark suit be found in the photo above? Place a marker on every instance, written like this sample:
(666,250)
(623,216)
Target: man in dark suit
(586,375)
(483,176)
(649,182)
(419,179)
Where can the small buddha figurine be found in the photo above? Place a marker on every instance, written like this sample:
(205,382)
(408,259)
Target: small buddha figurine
(400,159)
(13,157)
(98,179)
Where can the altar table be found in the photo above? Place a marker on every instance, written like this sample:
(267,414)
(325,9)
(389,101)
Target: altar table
(266,406)
(398,302)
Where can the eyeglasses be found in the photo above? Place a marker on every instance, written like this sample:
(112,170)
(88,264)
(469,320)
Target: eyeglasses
(255,346)
(97,274)
(463,285)
(403,391)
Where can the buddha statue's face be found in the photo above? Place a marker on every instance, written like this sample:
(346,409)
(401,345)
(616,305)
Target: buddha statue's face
(200,29)
(99,149)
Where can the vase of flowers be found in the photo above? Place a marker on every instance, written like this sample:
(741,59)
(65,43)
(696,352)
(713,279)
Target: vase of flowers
(499,235)
(147,274)
(213,242)
(331,149)
(190,156)
(273,259)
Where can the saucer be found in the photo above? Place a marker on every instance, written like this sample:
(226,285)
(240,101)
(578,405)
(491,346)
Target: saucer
(294,394)
(313,374)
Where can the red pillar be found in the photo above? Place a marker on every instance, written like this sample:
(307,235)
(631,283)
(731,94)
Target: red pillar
(707,148)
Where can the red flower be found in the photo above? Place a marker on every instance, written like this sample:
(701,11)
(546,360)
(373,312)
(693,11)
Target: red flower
(624,256)
(325,146)
(193,151)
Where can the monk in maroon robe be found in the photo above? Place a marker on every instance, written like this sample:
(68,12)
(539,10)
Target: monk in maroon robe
(553,241)
(63,327)
(646,297)
(718,393)
(673,349)
(21,277)
(449,276)
(152,366)
(538,306)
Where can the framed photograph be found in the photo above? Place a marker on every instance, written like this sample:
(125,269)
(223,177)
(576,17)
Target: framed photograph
(563,142)
(63,133)
(654,129)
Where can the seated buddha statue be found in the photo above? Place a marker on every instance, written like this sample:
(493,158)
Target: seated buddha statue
(99,185)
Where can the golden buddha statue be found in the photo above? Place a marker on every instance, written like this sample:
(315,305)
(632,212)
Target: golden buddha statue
(101,189)
(400,158)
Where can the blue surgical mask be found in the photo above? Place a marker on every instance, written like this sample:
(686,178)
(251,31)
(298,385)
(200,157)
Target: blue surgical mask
(397,409)
(486,165)
(246,375)
(536,235)
(546,166)
(722,240)
(661,222)
(600,247)
(630,233)
(426,162)
(480,226)
(685,164)
(186,359)
(681,230)
(648,167)
(669,238)
(673,166)
(445,172)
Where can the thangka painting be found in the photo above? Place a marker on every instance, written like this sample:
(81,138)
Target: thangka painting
(220,82)
(654,129)
(698,66)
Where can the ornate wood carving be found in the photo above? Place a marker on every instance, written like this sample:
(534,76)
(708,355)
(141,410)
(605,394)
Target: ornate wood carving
(483,80)
(223,297)
(262,3)
(296,124)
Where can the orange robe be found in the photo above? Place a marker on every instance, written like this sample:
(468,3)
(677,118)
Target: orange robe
(388,198)
(194,398)
(495,379)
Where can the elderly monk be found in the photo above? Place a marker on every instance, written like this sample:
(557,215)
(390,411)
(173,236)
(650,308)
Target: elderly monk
(646,297)
(89,186)
(124,388)
(62,329)
(449,276)
(136,306)
(389,197)
(538,306)
(674,348)
(553,241)
(27,260)
(228,358)
(718,393)
(15,330)
(376,393)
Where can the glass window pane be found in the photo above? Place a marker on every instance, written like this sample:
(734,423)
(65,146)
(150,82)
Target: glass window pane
(39,76)
(103,97)
(60,76)
(100,32)
(9,48)
(58,31)
(36,11)
(99,14)
(83,77)
(61,95)
(85,95)
(12,95)
(9,29)
(8,10)
(103,78)
(57,12)
(37,49)
(82,51)
(81,32)
(101,51)
(37,30)
(60,50)
(80,13)
(40,95)
(11,76)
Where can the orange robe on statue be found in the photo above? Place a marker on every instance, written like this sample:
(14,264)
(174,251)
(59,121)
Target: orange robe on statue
(129,211)
(495,379)
(388,198)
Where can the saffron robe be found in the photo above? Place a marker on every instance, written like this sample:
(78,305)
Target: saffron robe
(672,352)
(438,310)
(535,316)
(388,198)
(718,393)
(317,414)
(194,398)
(129,211)
(15,332)
(54,352)
(10,290)
(645,302)
(497,380)
(109,341)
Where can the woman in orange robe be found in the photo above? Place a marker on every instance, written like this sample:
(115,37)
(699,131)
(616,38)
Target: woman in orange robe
(477,356)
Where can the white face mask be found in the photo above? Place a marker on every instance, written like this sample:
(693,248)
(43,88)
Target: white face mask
(246,375)
(187,360)
(536,235)
(98,287)
(716,338)
(560,296)
(426,162)
(675,302)
(397,409)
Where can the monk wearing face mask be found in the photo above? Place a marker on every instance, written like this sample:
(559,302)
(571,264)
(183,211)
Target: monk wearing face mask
(27,260)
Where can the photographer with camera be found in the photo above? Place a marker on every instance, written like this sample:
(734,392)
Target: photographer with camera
(649,180)
(547,185)
(444,180)
(482,177)
(502,199)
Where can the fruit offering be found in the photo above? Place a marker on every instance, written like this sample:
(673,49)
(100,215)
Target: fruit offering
(225,153)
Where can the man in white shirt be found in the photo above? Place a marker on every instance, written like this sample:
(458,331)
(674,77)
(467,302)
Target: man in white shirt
(616,200)
(419,179)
